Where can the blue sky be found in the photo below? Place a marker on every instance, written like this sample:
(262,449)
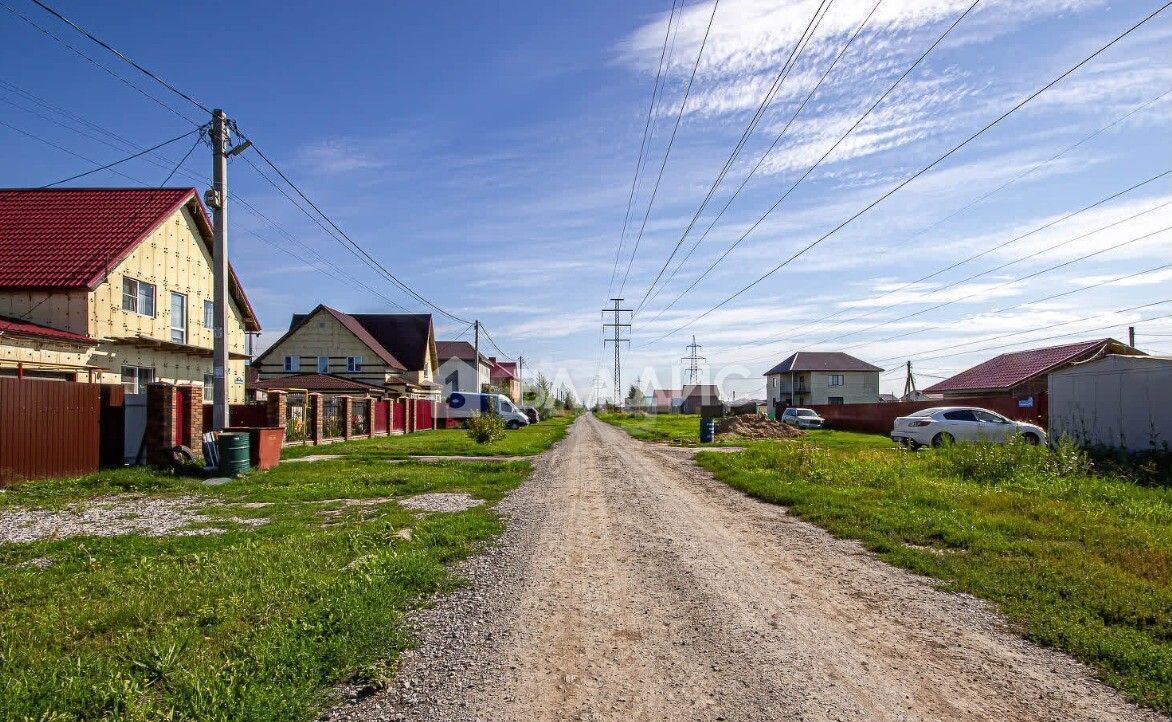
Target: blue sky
(484,152)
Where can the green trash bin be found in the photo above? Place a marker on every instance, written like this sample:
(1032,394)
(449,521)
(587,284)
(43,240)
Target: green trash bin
(234,453)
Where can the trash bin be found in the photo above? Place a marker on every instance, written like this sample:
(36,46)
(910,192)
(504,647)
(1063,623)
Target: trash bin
(234,453)
(264,444)
(707,430)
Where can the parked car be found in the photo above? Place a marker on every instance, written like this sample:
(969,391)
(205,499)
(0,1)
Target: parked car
(462,405)
(802,418)
(966,424)
(531,413)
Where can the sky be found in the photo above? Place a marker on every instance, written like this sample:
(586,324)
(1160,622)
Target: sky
(485,154)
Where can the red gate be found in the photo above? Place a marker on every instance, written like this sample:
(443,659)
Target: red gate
(182,419)
(423,415)
(380,411)
(399,423)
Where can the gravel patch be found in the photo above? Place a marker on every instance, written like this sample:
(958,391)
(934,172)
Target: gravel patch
(36,563)
(442,502)
(114,516)
(312,457)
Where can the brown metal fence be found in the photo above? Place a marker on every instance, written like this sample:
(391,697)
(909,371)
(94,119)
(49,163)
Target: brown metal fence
(879,418)
(48,428)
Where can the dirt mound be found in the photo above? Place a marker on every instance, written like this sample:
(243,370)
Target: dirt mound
(756,427)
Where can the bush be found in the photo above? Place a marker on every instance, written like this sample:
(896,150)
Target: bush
(486,428)
(1012,462)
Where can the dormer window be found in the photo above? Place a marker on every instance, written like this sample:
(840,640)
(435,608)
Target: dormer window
(138,296)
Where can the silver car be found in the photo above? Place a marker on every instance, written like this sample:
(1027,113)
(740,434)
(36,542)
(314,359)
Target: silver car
(964,424)
(802,418)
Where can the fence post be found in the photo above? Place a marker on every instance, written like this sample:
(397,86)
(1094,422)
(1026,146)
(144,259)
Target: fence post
(390,416)
(411,418)
(193,402)
(314,408)
(277,408)
(347,411)
(160,423)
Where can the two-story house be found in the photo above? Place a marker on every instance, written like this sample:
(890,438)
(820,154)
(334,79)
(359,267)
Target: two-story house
(113,285)
(809,378)
(328,351)
(505,378)
(458,367)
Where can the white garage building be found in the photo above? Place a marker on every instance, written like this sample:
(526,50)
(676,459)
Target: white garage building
(1114,401)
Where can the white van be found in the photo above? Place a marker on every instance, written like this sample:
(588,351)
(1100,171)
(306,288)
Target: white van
(462,405)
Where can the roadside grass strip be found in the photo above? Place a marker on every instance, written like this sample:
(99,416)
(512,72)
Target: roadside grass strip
(1077,558)
(526,441)
(258,622)
(684,429)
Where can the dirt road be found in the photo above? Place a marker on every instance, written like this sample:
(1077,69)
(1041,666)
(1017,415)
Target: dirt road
(631,585)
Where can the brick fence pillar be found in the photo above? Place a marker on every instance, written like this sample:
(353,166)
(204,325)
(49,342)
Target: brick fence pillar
(315,409)
(276,408)
(347,416)
(410,415)
(193,401)
(161,426)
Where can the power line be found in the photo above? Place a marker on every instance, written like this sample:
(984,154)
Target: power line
(183,160)
(127,158)
(923,170)
(122,57)
(761,160)
(782,75)
(671,141)
(642,145)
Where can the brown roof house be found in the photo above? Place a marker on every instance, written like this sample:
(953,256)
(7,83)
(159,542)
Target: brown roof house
(822,377)
(332,352)
(505,377)
(698,396)
(1024,374)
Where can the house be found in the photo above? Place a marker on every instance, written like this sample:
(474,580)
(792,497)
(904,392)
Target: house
(695,397)
(1113,400)
(666,401)
(887,398)
(458,364)
(1023,374)
(331,352)
(808,378)
(114,285)
(505,378)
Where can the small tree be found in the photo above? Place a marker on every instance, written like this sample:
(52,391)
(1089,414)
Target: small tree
(635,397)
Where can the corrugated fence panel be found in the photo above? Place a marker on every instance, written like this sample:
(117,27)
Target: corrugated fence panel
(879,418)
(48,429)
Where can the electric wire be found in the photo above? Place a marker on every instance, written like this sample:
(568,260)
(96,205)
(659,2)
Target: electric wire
(120,161)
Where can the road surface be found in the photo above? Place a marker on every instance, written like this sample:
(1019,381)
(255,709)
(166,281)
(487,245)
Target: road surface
(631,585)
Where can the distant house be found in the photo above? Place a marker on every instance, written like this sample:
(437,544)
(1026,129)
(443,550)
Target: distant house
(1024,374)
(458,362)
(694,397)
(888,398)
(1118,401)
(114,285)
(329,351)
(808,378)
(504,378)
(666,401)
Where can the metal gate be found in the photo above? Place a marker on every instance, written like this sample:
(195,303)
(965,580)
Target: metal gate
(134,409)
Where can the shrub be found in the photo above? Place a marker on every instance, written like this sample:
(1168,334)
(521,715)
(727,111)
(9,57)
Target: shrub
(486,428)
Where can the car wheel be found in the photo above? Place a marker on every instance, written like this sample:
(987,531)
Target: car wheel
(1031,439)
(914,445)
(513,425)
(943,438)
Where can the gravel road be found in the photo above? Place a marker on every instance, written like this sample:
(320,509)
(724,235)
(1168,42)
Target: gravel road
(631,585)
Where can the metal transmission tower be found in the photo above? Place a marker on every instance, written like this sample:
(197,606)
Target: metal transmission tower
(692,370)
(618,340)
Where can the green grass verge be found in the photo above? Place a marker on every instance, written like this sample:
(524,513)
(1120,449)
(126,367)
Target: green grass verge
(256,623)
(1077,560)
(685,429)
(532,439)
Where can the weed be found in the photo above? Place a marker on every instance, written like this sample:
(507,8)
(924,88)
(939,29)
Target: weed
(486,428)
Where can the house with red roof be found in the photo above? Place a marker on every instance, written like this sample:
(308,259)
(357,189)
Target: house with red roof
(1025,374)
(332,352)
(505,377)
(113,285)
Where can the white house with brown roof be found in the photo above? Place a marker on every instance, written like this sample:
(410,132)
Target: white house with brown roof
(808,378)
(113,285)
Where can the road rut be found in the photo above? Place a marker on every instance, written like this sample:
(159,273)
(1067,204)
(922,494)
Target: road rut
(631,585)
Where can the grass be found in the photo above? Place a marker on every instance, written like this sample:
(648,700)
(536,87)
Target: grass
(685,429)
(527,440)
(1077,559)
(256,623)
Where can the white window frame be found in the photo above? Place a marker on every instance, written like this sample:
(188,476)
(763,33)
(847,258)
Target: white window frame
(209,314)
(209,387)
(354,364)
(292,363)
(323,364)
(181,329)
(836,380)
(134,298)
(141,379)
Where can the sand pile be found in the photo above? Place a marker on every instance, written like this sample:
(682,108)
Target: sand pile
(756,427)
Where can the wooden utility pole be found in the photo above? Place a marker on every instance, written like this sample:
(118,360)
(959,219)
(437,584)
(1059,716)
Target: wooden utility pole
(476,356)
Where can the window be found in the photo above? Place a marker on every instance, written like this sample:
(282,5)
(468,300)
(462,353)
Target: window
(292,363)
(209,314)
(960,415)
(208,388)
(178,318)
(135,378)
(989,417)
(138,296)
(835,380)
(323,364)
(834,400)
(353,364)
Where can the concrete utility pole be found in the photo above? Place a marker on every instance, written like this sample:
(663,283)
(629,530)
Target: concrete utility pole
(1131,336)
(521,377)
(693,359)
(618,340)
(909,385)
(217,198)
(476,356)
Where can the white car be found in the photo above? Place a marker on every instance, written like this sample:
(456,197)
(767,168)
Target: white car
(802,418)
(947,424)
